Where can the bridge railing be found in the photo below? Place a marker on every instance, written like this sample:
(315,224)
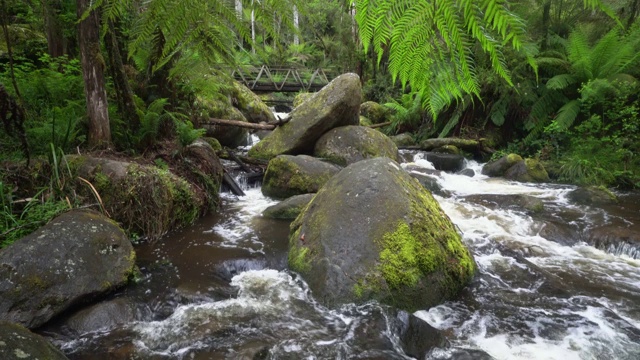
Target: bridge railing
(281,79)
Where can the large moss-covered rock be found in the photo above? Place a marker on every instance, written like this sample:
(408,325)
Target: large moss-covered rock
(349,144)
(528,170)
(288,209)
(336,105)
(220,108)
(499,167)
(16,342)
(78,256)
(205,170)
(250,105)
(372,232)
(404,139)
(289,175)
(301,97)
(146,200)
(375,112)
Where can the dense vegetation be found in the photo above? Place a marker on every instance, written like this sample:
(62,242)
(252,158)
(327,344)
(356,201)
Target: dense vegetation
(554,79)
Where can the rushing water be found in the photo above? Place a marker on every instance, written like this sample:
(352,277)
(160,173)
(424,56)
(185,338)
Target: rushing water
(547,288)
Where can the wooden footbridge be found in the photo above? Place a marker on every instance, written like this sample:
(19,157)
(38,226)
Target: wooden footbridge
(281,78)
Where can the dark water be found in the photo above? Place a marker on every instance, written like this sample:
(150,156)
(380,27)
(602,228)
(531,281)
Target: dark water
(562,284)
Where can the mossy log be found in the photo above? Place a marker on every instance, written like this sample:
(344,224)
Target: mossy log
(464,144)
(268,126)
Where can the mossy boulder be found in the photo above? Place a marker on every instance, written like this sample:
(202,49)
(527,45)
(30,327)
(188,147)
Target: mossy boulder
(528,170)
(404,139)
(220,108)
(448,149)
(301,97)
(592,195)
(288,209)
(17,342)
(498,167)
(289,175)
(375,112)
(145,200)
(349,144)
(336,105)
(213,142)
(250,105)
(363,121)
(205,170)
(77,257)
(372,232)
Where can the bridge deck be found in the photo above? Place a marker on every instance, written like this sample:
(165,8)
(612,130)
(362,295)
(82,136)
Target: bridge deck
(281,79)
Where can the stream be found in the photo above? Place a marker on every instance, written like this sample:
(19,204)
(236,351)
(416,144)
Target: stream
(551,285)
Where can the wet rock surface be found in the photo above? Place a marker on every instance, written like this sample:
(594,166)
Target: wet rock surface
(289,175)
(289,208)
(365,216)
(77,257)
(337,104)
(513,201)
(350,144)
(16,342)
(445,162)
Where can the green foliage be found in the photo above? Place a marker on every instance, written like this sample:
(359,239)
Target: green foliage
(18,221)
(407,113)
(187,134)
(603,149)
(585,74)
(442,71)
(53,99)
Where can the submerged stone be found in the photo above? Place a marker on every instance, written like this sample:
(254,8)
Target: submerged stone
(372,232)
(288,209)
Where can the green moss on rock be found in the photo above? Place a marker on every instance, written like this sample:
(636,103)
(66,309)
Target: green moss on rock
(374,233)
(288,175)
(375,112)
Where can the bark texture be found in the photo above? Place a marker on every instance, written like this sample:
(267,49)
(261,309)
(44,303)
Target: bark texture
(93,67)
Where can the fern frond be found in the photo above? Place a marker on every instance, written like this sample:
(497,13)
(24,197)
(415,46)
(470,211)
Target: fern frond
(567,114)
(561,81)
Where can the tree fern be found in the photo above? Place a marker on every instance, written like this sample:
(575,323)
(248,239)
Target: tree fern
(586,74)
(209,28)
(429,42)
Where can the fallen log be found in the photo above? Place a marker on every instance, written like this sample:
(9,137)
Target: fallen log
(263,126)
(374,126)
(232,184)
(464,144)
(244,124)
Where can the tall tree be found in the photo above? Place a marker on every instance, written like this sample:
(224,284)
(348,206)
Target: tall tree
(93,67)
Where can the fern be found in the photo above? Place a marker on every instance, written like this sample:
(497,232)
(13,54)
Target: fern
(430,43)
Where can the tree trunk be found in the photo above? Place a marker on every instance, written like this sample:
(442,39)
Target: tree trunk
(296,25)
(56,42)
(632,13)
(124,94)
(93,67)
(7,39)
